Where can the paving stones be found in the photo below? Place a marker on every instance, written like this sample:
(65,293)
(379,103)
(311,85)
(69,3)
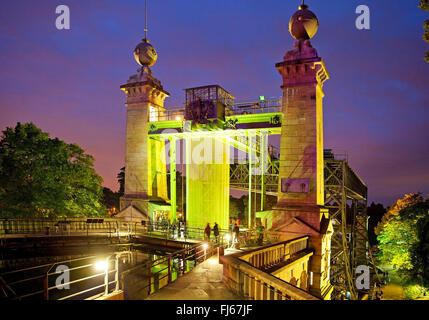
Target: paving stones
(202,283)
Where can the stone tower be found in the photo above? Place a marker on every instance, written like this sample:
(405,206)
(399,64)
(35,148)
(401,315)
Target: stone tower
(300,210)
(145,102)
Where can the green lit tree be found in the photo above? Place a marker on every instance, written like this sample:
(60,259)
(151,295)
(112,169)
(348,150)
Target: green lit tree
(394,210)
(44,177)
(404,244)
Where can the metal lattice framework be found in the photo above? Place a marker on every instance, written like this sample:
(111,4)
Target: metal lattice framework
(346,199)
(246,127)
(239,178)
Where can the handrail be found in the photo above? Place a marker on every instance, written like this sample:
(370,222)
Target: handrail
(244,271)
(196,253)
(167,265)
(59,227)
(47,273)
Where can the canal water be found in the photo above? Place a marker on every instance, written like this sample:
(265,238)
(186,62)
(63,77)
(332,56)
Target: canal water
(23,271)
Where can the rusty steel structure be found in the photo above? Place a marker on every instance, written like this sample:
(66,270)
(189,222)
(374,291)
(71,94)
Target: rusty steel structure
(346,199)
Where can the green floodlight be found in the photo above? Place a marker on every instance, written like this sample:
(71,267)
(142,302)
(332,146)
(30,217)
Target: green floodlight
(261,98)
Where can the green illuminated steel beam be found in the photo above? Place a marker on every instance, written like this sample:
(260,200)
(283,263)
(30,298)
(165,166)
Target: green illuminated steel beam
(249,223)
(173,197)
(187,161)
(263,154)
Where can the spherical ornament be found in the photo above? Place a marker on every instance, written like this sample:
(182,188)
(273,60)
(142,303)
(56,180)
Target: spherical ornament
(304,24)
(145,54)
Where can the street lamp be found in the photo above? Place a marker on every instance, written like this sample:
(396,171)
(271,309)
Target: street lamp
(101,265)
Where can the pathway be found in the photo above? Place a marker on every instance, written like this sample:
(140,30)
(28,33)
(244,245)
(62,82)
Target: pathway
(202,283)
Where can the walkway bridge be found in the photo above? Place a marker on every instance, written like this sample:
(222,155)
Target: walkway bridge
(274,272)
(122,276)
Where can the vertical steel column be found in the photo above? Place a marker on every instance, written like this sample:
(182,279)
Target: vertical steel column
(264,157)
(173,196)
(187,160)
(117,272)
(169,269)
(106,278)
(250,146)
(150,277)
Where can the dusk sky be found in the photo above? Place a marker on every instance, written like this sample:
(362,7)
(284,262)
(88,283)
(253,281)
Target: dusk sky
(67,82)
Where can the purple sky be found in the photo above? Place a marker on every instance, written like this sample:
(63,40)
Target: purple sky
(67,82)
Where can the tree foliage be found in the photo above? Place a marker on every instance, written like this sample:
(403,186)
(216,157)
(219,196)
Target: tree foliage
(375,214)
(121,180)
(236,207)
(403,239)
(406,201)
(424,5)
(426,36)
(45,177)
(111,201)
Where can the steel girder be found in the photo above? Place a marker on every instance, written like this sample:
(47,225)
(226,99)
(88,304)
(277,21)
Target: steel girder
(346,199)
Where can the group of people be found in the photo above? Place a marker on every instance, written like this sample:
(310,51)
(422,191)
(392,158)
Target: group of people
(178,229)
(208,230)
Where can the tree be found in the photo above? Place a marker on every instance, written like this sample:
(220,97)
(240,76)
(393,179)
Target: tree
(375,214)
(236,208)
(424,5)
(403,244)
(111,201)
(44,177)
(406,201)
(121,181)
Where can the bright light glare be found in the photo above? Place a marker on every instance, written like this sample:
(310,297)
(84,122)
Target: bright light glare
(101,265)
(205,246)
(178,118)
(228,237)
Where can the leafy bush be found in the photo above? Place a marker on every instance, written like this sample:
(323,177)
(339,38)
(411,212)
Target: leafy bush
(414,291)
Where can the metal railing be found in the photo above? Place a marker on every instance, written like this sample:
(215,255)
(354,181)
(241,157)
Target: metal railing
(262,106)
(166,231)
(59,227)
(15,228)
(272,255)
(93,276)
(167,115)
(167,269)
(244,273)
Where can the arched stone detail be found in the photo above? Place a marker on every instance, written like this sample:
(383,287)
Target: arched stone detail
(303,280)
